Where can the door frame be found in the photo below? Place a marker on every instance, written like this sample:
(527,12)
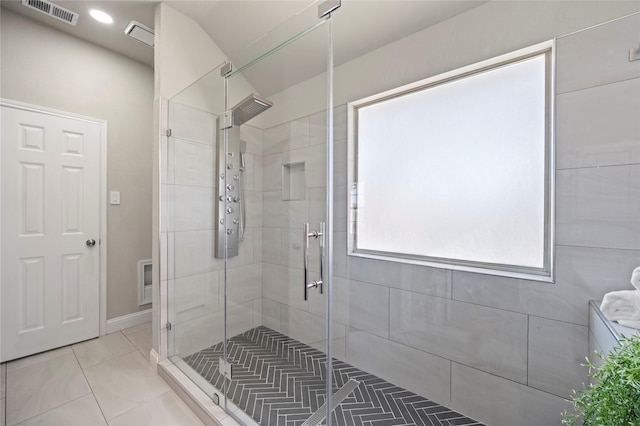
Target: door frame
(102,192)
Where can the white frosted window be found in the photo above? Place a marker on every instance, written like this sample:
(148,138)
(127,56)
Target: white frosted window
(456,172)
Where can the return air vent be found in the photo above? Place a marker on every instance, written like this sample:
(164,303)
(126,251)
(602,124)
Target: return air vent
(53,10)
(140,32)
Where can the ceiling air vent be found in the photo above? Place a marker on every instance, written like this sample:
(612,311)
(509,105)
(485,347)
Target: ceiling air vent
(53,10)
(140,32)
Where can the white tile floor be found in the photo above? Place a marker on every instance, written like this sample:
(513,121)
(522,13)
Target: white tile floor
(104,381)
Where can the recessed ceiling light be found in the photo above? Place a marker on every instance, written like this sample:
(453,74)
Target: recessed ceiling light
(101,16)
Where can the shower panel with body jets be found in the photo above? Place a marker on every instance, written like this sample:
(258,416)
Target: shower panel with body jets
(231,214)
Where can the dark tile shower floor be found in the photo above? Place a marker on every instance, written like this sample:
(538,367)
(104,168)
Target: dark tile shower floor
(279,381)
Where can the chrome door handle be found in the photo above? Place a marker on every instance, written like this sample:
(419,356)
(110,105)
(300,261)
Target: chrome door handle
(91,242)
(305,257)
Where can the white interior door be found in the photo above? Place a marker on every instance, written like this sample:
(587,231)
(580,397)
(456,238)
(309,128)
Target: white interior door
(50,200)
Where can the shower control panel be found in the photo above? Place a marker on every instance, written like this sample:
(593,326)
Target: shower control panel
(228,197)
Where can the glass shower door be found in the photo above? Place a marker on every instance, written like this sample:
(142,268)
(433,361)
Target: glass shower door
(194,275)
(272,226)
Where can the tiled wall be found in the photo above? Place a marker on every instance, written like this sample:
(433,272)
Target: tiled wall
(505,351)
(195,277)
(3,389)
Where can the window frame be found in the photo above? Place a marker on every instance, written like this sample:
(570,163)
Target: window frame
(544,274)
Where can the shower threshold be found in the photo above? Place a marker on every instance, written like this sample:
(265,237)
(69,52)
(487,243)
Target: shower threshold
(280,381)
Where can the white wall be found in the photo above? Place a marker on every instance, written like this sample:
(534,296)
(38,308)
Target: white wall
(43,66)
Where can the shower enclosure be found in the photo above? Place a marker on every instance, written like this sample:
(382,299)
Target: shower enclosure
(259,307)
(247,172)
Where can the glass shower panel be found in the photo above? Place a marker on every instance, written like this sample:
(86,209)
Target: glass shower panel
(195,275)
(275,183)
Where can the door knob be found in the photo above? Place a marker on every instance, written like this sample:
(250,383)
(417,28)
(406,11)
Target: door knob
(91,242)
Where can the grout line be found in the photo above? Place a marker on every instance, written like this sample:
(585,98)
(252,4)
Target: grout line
(528,337)
(605,166)
(608,83)
(89,385)
(597,248)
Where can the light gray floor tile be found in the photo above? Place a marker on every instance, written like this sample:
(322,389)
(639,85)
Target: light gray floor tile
(166,409)
(81,412)
(123,383)
(35,359)
(136,328)
(142,341)
(37,388)
(102,349)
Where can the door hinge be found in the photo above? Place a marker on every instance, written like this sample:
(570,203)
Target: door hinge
(168,132)
(169,326)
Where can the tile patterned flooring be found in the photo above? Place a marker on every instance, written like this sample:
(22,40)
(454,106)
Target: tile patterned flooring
(280,381)
(104,381)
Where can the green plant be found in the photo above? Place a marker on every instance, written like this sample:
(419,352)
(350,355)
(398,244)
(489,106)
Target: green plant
(613,397)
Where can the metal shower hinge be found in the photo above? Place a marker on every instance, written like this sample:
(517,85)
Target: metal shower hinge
(226,68)
(225,367)
(634,53)
(328,6)
(168,132)
(227,120)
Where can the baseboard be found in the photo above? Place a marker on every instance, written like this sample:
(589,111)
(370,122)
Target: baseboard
(129,320)
(154,359)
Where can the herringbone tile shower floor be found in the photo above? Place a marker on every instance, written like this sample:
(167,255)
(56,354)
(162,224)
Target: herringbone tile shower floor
(279,381)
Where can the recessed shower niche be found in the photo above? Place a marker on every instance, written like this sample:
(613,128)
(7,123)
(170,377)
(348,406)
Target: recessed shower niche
(293,181)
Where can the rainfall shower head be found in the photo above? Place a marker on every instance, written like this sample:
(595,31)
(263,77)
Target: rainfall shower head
(248,108)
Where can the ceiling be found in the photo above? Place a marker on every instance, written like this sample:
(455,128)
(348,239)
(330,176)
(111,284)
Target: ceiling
(359,26)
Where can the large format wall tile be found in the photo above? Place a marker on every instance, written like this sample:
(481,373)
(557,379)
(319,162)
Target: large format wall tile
(497,401)
(271,314)
(599,126)
(340,254)
(192,163)
(254,139)
(373,271)
(287,136)
(190,208)
(426,280)
(598,55)
(582,274)
(556,350)
(253,173)
(272,172)
(200,333)
(284,214)
(306,327)
(194,296)
(272,245)
(283,285)
(358,305)
(244,283)
(3,383)
(414,370)
(599,207)
(450,329)
(194,253)
(314,159)
(191,124)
